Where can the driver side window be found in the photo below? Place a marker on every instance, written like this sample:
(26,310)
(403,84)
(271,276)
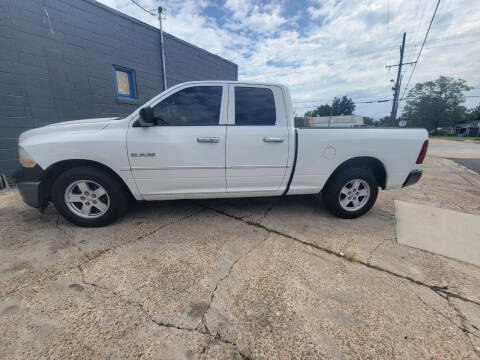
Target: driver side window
(192,106)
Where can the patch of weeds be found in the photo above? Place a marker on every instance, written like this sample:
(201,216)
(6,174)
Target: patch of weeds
(350,255)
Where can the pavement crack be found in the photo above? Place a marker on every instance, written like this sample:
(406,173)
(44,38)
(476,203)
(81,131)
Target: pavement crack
(103,251)
(170,223)
(142,308)
(370,255)
(270,208)
(69,237)
(229,272)
(465,323)
(463,319)
(438,289)
(159,323)
(382,214)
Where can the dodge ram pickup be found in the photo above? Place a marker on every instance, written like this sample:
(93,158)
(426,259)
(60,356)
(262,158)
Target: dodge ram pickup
(211,139)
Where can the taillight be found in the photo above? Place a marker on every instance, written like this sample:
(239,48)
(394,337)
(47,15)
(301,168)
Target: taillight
(423,152)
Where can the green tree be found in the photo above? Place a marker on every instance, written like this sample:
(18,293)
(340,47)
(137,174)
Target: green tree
(385,121)
(323,110)
(473,114)
(367,120)
(434,104)
(340,106)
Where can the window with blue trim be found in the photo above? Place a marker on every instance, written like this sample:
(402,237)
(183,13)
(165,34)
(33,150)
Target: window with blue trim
(124,82)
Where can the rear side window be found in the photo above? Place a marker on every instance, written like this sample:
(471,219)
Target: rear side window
(254,106)
(193,106)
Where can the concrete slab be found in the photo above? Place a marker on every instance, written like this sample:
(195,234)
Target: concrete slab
(453,149)
(441,231)
(237,279)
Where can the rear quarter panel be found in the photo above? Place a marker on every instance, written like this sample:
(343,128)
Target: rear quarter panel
(321,151)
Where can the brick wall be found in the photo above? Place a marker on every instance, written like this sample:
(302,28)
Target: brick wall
(59,67)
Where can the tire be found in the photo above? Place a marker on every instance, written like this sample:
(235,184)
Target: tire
(345,203)
(101,198)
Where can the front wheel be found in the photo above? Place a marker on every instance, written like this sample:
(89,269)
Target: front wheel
(351,193)
(88,196)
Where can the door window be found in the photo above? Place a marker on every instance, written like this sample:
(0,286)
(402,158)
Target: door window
(192,106)
(254,106)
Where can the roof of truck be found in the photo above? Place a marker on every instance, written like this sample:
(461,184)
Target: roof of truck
(231,82)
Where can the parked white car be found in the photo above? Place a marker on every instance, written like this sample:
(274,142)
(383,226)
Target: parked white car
(211,139)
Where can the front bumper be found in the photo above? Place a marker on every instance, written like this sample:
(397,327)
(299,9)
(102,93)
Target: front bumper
(413,177)
(30,191)
(29,183)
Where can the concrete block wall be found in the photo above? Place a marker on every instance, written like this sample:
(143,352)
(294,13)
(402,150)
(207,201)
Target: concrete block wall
(56,59)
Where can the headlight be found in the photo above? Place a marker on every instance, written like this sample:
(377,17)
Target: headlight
(25,158)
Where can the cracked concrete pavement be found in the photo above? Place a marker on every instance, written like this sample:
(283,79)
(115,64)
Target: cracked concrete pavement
(238,278)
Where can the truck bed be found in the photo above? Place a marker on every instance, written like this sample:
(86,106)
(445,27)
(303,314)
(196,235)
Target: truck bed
(321,150)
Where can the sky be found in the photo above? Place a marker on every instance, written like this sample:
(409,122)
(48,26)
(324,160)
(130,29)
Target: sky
(327,48)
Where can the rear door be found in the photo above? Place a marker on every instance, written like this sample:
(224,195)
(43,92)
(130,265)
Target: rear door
(257,139)
(183,155)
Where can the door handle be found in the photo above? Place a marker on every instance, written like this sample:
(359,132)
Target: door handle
(208,139)
(273,139)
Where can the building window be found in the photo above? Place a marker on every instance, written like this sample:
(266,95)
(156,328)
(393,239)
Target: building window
(124,82)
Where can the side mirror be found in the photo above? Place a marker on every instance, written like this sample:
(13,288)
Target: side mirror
(146,117)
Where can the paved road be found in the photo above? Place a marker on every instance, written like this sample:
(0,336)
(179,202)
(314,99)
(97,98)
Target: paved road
(238,278)
(454,149)
(472,164)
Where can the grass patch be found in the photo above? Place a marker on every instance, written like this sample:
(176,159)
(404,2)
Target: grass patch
(456,138)
(350,255)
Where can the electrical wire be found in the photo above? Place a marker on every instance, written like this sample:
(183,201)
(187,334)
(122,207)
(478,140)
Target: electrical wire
(411,46)
(420,52)
(143,8)
(313,107)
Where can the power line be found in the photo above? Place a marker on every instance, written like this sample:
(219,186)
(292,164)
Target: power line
(151,12)
(411,45)
(466,96)
(356,102)
(368,102)
(420,52)
(420,20)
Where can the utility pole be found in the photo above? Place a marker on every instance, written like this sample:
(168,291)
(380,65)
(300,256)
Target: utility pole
(397,100)
(397,84)
(160,13)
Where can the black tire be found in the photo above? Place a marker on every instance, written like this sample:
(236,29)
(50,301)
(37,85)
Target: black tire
(331,192)
(116,197)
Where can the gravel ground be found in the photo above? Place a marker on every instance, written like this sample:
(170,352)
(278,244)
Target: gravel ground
(238,278)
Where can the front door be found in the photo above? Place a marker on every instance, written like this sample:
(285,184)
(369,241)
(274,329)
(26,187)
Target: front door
(183,155)
(257,140)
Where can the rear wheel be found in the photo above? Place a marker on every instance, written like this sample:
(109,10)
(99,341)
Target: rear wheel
(351,193)
(88,196)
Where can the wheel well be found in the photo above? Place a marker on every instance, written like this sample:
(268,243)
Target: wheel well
(365,162)
(52,172)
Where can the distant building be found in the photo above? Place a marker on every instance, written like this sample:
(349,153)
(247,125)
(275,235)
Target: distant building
(468,129)
(337,121)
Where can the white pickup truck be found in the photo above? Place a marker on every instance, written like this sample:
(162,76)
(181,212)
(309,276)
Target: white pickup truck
(211,139)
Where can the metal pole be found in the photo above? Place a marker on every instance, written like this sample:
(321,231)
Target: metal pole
(397,84)
(397,101)
(160,12)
